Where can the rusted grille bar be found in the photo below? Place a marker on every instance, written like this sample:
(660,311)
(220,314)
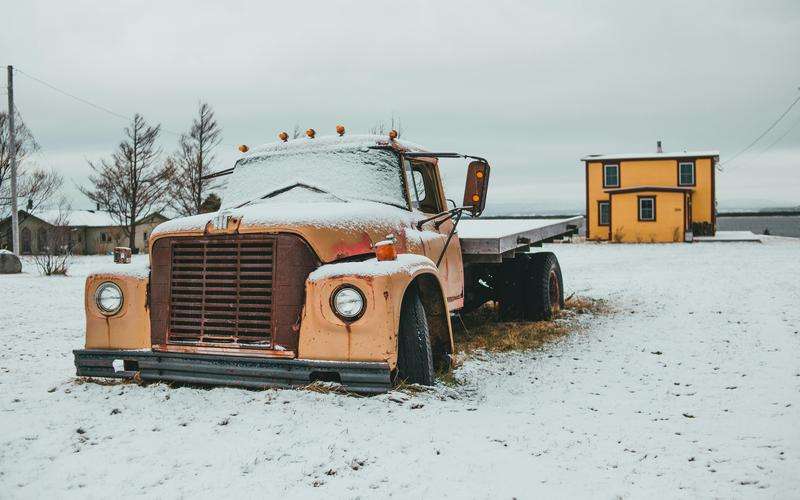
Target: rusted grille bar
(221,292)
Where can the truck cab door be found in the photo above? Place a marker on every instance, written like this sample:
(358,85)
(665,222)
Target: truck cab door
(427,198)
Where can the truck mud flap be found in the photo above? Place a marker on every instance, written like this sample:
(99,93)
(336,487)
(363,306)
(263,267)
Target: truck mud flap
(235,371)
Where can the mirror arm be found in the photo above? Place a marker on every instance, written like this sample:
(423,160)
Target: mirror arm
(450,236)
(447,214)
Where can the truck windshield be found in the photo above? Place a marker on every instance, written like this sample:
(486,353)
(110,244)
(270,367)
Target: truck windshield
(308,175)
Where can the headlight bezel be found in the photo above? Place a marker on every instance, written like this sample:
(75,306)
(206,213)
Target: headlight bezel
(99,289)
(339,314)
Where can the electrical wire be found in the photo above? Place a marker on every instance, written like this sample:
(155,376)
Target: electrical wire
(772,144)
(79,99)
(732,158)
(94,105)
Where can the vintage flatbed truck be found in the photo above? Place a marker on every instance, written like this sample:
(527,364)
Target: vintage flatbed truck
(333,259)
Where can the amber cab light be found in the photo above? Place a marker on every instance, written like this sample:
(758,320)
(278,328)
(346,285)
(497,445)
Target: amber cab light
(340,130)
(283,136)
(310,133)
(386,250)
(243,148)
(393,134)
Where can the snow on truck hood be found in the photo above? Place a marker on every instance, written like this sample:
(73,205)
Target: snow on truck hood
(344,215)
(335,230)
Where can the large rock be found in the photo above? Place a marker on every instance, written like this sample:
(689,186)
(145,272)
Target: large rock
(9,263)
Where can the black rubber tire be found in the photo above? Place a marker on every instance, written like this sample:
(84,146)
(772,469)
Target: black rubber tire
(525,285)
(545,287)
(414,353)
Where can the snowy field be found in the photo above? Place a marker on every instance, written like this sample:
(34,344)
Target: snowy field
(692,389)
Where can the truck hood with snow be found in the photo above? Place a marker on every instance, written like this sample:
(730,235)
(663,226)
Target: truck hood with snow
(334,229)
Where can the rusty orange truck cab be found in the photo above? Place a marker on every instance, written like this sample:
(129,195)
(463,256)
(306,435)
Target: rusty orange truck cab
(332,259)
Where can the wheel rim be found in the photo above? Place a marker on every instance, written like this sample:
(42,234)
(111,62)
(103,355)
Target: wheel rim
(554,292)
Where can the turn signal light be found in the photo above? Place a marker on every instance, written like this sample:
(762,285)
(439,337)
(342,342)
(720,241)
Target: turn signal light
(476,198)
(243,148)
(283,136)
(310,133)
(386,250)
(340,130)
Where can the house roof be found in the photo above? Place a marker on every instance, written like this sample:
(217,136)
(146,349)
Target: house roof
(78,218)
(84,218)
(636,189)
(651,156)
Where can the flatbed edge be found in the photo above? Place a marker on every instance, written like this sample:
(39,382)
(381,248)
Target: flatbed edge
(520,239)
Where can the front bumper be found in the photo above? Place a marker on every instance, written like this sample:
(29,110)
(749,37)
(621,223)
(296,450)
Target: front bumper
(237,371)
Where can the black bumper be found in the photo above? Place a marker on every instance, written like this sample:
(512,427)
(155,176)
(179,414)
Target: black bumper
(236,371)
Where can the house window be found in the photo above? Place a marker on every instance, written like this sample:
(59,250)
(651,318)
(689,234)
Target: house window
(647,208)
(610,175)
(686,173)
(603,213)
(103,237)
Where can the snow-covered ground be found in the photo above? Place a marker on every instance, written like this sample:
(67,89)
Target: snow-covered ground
(690,390)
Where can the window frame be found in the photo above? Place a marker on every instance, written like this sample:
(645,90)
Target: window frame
(600,204)
(639,200)
(694,172)
(605,183)
(430,185)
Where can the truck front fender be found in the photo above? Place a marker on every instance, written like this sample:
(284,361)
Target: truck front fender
(129,328)
(373,336)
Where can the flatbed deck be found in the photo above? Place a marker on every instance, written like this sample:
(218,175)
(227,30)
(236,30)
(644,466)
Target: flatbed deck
(492,239)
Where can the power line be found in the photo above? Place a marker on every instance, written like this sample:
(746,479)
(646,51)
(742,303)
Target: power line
(779,139)
(97,106)
(773,143)
(79,99)
(763,133)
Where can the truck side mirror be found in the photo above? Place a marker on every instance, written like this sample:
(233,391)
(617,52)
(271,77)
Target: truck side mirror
(477,185)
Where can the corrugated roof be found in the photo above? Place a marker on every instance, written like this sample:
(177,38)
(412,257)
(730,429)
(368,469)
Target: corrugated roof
(651,156)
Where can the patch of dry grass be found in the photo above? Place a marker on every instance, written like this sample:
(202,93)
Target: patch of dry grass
(480,330)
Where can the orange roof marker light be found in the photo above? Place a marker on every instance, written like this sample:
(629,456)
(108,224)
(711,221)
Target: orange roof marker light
(310,133)
(340,130)
(386,250)
(283,136)
(243,148)
(393,134)
(476,198)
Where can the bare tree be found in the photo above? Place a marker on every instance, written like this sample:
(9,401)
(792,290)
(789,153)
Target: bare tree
(382,127)
(55,245)
(132,184)
(192,161)
(36,185)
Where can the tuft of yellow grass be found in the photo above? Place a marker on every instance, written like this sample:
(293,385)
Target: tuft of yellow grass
(480,330)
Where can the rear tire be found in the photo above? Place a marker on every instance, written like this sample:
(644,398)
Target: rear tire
(545,288)
(532,288)
(414,353)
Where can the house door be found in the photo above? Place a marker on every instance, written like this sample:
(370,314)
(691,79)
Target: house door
(688,213)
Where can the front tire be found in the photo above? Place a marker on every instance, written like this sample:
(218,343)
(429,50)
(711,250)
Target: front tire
(414,353)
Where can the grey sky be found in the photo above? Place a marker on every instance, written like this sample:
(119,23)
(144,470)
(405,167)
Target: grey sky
(532,86)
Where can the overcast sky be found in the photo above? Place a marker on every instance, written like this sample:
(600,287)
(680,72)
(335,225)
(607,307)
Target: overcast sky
(532,86)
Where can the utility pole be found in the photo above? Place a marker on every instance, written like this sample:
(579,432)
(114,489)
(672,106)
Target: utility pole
(12,158)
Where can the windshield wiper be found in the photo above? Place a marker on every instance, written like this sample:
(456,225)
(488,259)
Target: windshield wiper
(282,190)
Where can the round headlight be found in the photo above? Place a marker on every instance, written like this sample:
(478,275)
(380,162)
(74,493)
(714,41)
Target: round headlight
(348,303)
(108,298)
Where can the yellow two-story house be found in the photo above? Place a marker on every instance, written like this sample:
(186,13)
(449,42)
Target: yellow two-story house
(650,198)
